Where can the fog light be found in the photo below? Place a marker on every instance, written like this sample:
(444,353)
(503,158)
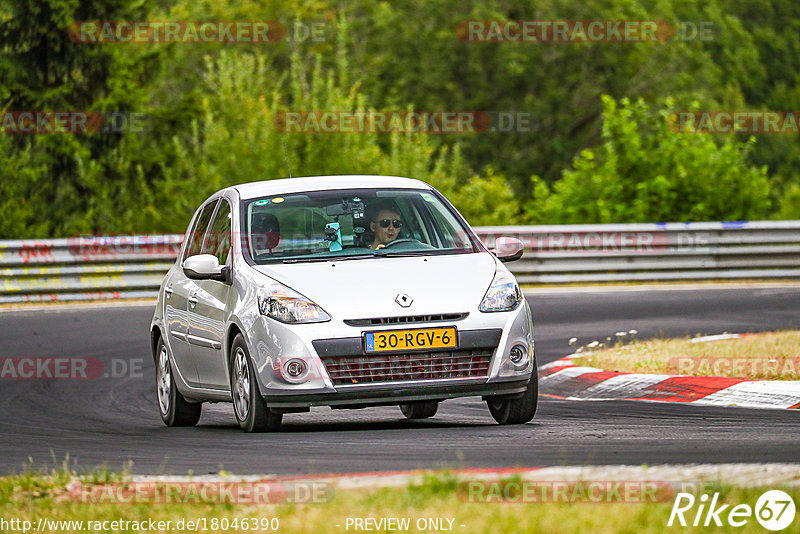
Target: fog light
(295,369)
(517,355)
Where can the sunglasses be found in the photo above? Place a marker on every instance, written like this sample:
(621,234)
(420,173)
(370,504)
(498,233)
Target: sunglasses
(397,223)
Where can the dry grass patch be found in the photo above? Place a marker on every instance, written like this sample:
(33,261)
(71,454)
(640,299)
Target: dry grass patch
(769,356)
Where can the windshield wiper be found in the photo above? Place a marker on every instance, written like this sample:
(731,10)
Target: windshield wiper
(328,258)
(305,260)
(404,254)
(418,253)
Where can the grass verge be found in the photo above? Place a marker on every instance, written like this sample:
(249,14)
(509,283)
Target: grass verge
(770,356)
(435,502)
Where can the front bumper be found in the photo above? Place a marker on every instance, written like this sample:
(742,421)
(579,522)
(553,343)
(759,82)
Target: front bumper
(393,393)
(493,335)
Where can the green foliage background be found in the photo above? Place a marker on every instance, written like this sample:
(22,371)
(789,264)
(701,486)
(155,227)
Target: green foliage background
(601,149)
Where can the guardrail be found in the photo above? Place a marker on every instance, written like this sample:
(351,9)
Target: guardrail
(85,268)
(133,266)
(654,252)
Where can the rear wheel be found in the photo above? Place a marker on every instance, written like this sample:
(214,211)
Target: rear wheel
(516,411)
(251,411)
(175,410)
(419,410)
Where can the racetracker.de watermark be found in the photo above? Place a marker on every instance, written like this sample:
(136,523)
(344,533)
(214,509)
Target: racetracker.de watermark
(394,121)
(73,122)
(778,368)
(565,491)
(440,122)
(69,368)
(147,31)
(100,245)
(601,241)
(589,242)
(583,31)
(727,122)
(202,492)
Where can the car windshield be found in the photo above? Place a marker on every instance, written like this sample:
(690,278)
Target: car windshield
(353,224)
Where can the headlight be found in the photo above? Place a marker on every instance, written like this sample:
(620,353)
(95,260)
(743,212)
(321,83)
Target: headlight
(503,295)
(288,306)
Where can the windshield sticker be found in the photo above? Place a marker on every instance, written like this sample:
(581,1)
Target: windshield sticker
(427,197)
(277,200)
(261,202)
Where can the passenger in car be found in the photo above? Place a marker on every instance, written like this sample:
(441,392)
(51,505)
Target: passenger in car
(266,233)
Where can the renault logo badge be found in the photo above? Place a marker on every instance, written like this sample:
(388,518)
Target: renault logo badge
(403,300)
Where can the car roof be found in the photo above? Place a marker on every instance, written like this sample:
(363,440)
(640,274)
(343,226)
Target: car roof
(322,183)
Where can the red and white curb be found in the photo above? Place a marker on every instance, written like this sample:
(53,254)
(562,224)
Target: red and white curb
(563,379)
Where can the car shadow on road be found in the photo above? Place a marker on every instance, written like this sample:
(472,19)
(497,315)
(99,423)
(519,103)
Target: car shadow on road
(352,426)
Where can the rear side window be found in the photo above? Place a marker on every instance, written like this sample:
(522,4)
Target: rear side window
(198,230)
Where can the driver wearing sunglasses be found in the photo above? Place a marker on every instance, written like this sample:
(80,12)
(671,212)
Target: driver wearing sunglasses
(385,225)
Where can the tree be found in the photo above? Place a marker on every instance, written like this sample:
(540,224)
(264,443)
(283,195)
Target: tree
(409,53)
(236,139)
(72,189)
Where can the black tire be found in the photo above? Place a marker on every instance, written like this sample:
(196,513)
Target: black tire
(516,411)
(419,410)
(175,410)
(251,411)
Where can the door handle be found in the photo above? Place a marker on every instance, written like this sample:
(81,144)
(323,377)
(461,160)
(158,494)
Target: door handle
(193,300)
(168,291)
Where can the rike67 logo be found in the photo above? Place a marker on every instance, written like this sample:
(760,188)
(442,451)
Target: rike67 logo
(774,510)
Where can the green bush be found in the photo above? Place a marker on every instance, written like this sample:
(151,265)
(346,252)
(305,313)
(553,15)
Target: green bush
(790,204)
(643,171)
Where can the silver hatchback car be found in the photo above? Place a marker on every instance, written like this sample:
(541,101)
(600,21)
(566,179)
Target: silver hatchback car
(340,291)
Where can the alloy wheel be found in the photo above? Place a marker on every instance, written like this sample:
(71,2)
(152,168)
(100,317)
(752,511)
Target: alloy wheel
(164,380)
(241,385)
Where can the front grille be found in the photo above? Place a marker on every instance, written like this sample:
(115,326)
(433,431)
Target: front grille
(404,366)
(406,319)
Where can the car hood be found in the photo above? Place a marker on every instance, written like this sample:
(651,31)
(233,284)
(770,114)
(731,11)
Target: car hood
(368,288)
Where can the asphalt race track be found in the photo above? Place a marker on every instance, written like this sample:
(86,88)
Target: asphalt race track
(112,421)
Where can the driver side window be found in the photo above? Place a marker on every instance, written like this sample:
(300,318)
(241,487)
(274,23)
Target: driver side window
(197,232)
(218,239)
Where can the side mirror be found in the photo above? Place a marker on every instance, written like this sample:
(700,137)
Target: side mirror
(507,249)
(206,267)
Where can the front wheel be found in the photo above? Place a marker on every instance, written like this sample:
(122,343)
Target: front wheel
(419,410)
(251,411)
(175,410)
(516,411)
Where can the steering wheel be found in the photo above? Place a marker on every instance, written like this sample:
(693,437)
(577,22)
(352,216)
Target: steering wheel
(404,240)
